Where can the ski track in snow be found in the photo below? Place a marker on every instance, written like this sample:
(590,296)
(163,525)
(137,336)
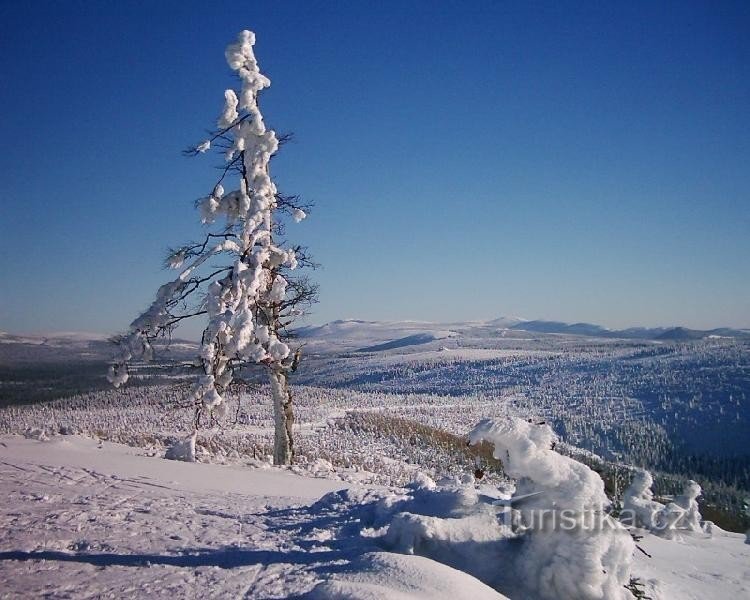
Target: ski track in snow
(89,520)
(78,532)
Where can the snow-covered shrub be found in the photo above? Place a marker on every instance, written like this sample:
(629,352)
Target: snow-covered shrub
(687,505)
(183,449)
(571,548)
(680,515)
(36,433)
(638,504)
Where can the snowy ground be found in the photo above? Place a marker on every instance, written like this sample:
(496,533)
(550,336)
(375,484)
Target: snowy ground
(86,519)
(83,519)
(697,568)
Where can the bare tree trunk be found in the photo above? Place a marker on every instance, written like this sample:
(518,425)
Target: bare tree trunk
(283,446)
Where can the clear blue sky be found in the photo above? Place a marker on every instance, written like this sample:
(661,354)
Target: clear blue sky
(573,161)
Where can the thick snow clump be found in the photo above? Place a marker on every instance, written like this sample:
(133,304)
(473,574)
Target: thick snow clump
(681,515)
(183,449)
(550,540)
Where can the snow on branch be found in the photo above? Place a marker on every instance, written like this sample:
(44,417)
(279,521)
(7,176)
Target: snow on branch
(250,299)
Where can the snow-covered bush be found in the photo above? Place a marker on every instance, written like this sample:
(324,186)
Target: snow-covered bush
(36,433)
(183,449)
(570,547)
(680,515)
(638,504)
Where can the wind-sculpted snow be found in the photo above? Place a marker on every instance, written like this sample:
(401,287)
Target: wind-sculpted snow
(573,550)
(681,516)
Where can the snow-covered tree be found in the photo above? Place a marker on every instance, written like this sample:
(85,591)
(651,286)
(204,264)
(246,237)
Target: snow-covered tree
(252,297)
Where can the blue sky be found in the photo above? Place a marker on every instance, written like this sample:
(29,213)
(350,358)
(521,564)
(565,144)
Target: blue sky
(571,161)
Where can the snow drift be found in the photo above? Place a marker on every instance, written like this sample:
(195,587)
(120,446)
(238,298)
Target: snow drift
(550,540)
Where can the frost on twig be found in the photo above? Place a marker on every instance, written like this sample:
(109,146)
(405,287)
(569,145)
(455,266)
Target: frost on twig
(250,299)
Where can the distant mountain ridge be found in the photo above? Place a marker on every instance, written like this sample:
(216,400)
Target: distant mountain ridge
(67,346)
(647,333)
(356,329)
(350,335)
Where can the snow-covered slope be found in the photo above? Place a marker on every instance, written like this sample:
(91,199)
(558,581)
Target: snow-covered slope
(83,518)
(697,568)
(353,334)
(374,336)
(88,519)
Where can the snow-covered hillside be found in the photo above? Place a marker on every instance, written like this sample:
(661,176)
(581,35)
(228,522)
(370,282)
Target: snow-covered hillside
(358,335)
(382,411)
(355,334)
(86,518)
(98,520)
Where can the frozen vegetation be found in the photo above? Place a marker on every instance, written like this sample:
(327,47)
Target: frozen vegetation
(412,518)
(93,517)
(404,512)
(500,459)
(679,409)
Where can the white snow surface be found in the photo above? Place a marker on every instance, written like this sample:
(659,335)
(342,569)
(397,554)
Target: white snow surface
(408,577)
(89,519)
(695,567)
(345,334)
(84,518)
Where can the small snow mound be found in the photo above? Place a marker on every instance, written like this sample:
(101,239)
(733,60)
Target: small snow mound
(320,467)
(422,482)
(342,498)
(183,450)
(36,433)
(386,576)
